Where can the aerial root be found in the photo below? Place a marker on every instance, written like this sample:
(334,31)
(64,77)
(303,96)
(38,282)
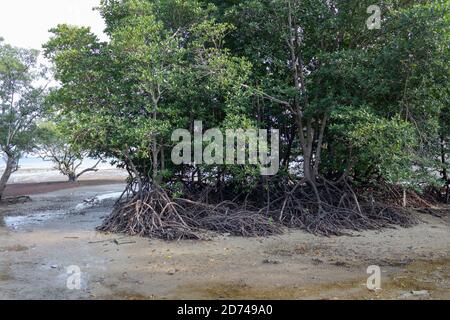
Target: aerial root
(336,210)
(154,214)
(330,210)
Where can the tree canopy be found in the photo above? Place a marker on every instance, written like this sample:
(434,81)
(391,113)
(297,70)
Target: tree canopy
(356,107)
(21,104)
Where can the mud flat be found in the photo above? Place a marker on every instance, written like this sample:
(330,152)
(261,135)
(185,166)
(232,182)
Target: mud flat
(39,240)
(26,189)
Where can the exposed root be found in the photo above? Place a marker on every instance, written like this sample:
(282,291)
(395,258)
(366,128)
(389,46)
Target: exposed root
(152,213)
(328,209)
(335,209)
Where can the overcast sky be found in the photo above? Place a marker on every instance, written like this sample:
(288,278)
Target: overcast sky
(25,23)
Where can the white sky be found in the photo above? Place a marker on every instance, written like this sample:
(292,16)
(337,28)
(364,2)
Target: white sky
(25,23)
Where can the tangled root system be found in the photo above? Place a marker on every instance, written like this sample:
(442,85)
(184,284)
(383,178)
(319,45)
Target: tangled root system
(153,213)
(325,208)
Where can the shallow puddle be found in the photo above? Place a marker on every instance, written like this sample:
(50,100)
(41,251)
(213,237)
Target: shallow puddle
(17,222)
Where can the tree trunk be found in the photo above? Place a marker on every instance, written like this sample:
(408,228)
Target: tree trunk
(443,159)
(11,166)
(72,177)
(405,199)
(306,133)
(444,172)
(155,159)
(154,148)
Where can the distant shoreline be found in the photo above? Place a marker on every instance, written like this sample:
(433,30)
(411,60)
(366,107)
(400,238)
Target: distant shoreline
(33,172)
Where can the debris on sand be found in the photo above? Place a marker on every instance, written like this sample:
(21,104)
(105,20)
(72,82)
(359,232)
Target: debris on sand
(270,261)
(16,200)
(415,294)
(97,201)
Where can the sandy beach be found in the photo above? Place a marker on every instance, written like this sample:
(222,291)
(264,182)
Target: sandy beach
(36,177)
(35,170)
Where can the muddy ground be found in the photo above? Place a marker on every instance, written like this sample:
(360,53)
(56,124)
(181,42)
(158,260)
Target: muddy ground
(26,189)
(40,239)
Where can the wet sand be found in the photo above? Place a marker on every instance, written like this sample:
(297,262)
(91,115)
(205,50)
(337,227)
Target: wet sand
(35,253)
(28,189)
